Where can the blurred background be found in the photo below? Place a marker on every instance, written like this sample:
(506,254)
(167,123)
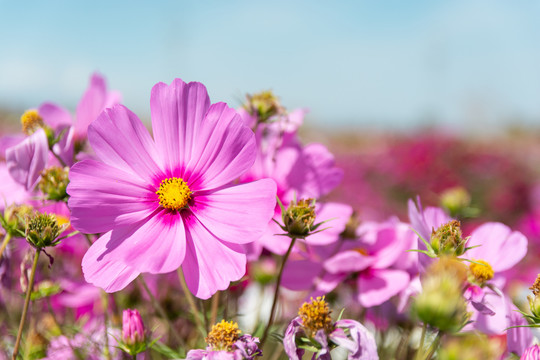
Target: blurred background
(413,98)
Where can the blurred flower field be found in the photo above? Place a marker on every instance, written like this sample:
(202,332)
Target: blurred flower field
(213,232)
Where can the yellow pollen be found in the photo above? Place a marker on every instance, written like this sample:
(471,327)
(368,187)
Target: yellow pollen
(31,121)
(481,273)
(316,316)
(61,219)
(361,251)
(223,335)
(536,286)
(173,193)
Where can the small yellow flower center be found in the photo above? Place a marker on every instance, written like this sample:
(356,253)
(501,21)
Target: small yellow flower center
(61,219)
(483,272)
(173,193)
(316,316)
(223,335)
(31,121)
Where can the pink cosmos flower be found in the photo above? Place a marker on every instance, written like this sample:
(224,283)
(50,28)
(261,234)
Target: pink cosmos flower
(27,158)
(168,202)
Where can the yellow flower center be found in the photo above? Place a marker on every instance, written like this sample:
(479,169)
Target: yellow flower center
(481,272)
(316,316)
(31,121)
(173,193)
(223,335)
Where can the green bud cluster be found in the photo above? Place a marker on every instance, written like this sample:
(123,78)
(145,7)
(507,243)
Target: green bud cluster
(448,240)
(263,105)
(441,303)
(43,230)
(53,183)
(14,219)
(299,218)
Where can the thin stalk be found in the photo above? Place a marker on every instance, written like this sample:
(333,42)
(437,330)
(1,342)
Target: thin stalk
(62,162)
(420,352)
(4,244)
(205,315)
(160,310)
(214,308)
(26,303)
(434,346)
(276,292)
(190,300)
(105,301)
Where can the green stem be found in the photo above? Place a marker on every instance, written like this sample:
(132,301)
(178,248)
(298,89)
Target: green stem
(434,346)
(214,308)
(420,352)
(190,301)
(276,293)
(4,244)
(105,301)
(161,311)
(26,303)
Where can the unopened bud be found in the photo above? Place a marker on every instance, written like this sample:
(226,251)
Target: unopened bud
(53,183)
(43,230)
(441,303)
(299,218)
(14,219)
(133,333)
(455,200)
(448,240)
(264,105)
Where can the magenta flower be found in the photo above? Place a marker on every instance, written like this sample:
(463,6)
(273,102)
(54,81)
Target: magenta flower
(132,327)
(168,202)
(532,353)
(314,328)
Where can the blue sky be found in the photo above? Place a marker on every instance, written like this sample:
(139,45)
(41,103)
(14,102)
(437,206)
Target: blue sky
(469,64)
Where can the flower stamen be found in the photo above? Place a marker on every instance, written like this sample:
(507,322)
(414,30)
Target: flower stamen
(223,335)
(173,193)
(31,121)
(481,273)
(316,316)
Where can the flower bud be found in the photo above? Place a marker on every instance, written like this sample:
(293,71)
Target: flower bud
(14,219)
(534,301)
(455,200)
(263,105)
(448,240)
(299,218)
(53,183)
(43,230)
(441,303)
(132,328)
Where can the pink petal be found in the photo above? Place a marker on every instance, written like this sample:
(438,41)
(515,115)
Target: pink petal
(273,239)
(107,273)
(210,264)
(501,247)
(237,214)
(26,160)
(300,274)
(55,116)
(103,197)
(348,261)
(224,150)
(64,148)
(120,139)
(154,245)
(314,173)
(378,286)
(336,216)
(177,112)
(91,104)
(11,192)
